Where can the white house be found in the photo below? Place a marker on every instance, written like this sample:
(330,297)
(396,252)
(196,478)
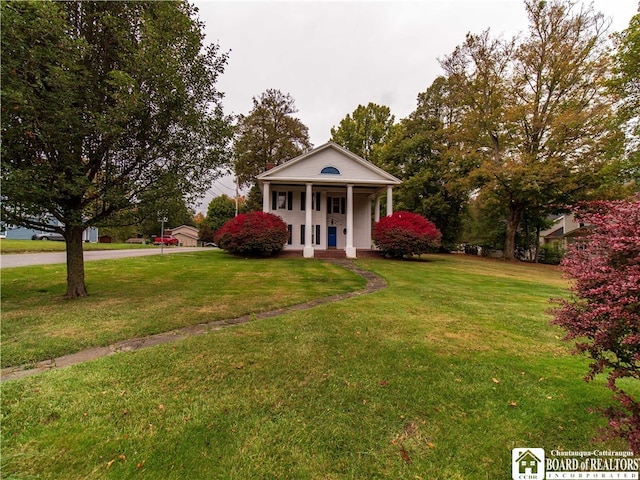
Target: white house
(326,197)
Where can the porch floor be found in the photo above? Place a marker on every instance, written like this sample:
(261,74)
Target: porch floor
(333,253)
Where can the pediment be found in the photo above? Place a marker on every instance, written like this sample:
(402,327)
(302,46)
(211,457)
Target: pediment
(329,164)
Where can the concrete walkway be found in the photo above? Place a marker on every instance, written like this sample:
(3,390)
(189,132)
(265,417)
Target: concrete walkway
(26,259)
(374,283)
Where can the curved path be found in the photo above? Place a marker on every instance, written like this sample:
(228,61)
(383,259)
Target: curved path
(374,283)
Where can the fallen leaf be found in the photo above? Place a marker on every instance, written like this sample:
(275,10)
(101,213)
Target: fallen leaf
(495,380)
(161,407)
(140,465)
(383,383)
(513,404)
(110,463)
(405,456)
(430,445)
(122,457)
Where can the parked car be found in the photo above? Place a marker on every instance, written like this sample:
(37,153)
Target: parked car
(166,240)
(48,236)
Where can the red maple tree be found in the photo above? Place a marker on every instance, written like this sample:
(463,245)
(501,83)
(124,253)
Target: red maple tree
(603,313)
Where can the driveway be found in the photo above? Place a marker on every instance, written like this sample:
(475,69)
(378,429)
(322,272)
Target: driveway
(26,259)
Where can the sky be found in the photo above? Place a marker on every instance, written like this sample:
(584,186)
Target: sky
(333,56)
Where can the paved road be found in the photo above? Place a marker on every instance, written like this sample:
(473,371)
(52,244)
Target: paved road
(26,259)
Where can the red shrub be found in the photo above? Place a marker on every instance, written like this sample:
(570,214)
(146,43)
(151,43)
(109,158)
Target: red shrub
(404,233)
(603,314)
(253,234)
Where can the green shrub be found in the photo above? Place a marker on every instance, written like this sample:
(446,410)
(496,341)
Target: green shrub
(551,254)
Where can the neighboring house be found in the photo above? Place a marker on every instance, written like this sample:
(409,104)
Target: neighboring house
(561,233)
(186,235)
(325,197)
(22,233)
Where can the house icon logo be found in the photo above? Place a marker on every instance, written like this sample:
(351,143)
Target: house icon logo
(527,463)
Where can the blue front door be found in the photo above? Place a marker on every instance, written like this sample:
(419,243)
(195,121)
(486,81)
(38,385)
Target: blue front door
(332,237)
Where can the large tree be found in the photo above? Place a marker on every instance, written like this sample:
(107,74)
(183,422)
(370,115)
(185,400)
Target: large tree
(535,113)
(364,130)
(626,86)
(220,210)
(104,104)
(433,183)
(268,136)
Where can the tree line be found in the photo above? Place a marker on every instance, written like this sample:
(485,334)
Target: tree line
(111,117)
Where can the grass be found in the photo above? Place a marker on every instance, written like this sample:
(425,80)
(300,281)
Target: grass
(142,296)
(438,376)
(35,246)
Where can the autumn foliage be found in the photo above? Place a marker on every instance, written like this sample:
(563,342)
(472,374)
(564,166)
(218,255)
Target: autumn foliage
(403,234)
(253,234)
(603,315)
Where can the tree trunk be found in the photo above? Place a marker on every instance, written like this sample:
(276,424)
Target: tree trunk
(75,263)
(515,212)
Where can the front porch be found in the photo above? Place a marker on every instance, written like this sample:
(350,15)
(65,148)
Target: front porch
(328,198)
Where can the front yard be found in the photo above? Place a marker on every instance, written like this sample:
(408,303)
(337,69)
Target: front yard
(437,376)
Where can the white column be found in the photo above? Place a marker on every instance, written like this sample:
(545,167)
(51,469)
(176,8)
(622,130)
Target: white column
(389,201)
(266,201)
(376,215)
(350,250)
(308,219)
(323,219)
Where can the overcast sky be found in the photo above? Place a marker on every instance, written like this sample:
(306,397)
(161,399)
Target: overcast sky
(333,56)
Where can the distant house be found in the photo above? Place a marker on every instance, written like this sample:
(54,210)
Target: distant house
(22,233)
(186,235)
(327,197)
(564,229)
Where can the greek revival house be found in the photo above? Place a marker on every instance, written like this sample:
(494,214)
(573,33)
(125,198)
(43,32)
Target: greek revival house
(328,198)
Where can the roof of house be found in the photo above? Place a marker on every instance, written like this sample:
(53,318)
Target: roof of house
(329,164)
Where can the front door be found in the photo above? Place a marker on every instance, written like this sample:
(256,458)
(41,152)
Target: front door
(332,237)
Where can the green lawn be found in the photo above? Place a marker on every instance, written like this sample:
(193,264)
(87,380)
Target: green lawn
(142,296)
(437,376)
(36,246)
